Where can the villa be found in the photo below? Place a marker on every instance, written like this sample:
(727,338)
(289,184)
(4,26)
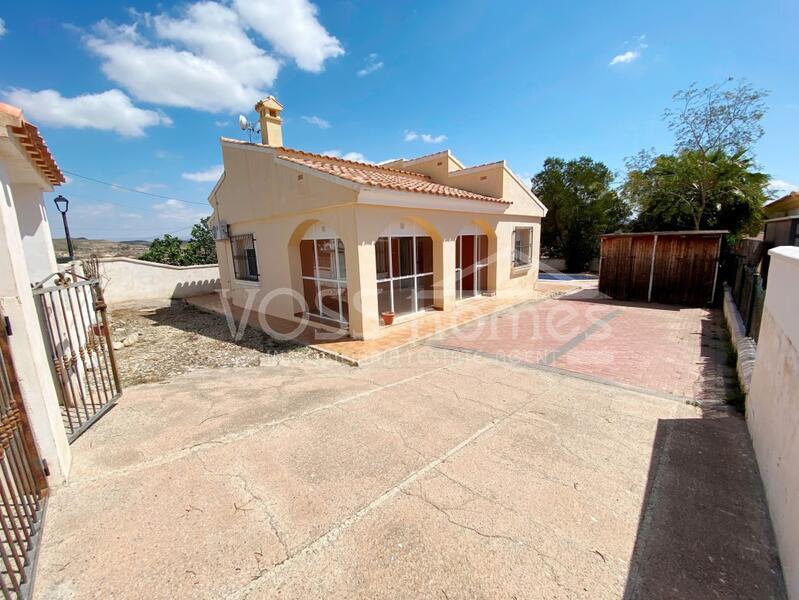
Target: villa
(350,245)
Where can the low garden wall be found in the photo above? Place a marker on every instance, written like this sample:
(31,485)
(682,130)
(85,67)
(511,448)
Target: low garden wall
(130,280)
(745,346)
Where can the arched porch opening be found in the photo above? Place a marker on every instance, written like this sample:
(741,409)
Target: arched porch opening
(322,273)
(404,267)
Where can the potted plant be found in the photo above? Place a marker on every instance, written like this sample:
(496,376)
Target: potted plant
(388,317)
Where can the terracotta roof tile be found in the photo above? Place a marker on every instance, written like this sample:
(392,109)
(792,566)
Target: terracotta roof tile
(371,174)
(33,144)
(382,177)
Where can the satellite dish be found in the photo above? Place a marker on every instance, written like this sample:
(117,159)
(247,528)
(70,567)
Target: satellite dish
(244,123)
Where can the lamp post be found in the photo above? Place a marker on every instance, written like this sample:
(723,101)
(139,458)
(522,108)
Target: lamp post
(62,204)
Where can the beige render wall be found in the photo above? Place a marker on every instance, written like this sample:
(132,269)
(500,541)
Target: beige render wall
(28,350)
(773,407)
(301,199)
(256,188)
(277,250)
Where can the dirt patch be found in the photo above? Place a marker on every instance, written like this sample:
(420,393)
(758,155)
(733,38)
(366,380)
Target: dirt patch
(179,338)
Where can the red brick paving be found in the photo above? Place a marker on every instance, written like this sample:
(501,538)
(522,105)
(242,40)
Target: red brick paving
(655,347)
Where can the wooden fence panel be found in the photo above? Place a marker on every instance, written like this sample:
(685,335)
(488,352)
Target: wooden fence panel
(626,262)
(683,270)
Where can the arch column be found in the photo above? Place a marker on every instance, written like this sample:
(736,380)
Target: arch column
(493,271)
(362,290)
(444,263)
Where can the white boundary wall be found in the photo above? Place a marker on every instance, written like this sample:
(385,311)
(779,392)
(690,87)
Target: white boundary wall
(131,280)
(773,407)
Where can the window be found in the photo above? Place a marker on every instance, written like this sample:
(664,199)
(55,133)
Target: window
(404,271)
(245,261)
(324,278)
(522,246)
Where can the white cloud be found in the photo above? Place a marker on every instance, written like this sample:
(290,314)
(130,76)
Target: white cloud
(625,57)
(630,55)
(149,187)
(221,123)
(318,121)
(210,174)
(108,111)
(412,136)
(179,213)
(3,29)
(372,65)
(356,156)
(210,63)
(293,29)
(101,211)
(780,187)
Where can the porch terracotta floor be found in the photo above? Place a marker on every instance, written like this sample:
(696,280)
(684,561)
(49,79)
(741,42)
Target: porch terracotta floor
(399,335)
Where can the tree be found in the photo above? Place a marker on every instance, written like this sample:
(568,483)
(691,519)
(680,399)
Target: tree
(723,117)
(171,250)
(582,205)
(691,191)
(201,246)
(711,179)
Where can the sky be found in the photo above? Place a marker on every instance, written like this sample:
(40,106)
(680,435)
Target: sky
(137,94)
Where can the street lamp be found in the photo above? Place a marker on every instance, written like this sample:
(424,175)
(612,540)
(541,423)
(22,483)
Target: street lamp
(62,204)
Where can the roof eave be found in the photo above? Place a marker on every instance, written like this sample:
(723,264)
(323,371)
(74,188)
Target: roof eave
(377,196)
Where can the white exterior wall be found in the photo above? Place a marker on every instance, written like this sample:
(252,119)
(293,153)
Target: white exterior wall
(773,407)
(37,241)
(27,344)
(128,279)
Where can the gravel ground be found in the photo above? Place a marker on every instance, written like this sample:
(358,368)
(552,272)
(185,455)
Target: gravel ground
(179,338)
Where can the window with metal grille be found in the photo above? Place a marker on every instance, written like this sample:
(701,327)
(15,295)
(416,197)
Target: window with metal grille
(245,261)
(522,246)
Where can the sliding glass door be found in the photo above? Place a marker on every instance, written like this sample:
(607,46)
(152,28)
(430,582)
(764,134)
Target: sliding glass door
(471,265)
(404,273)
(324,279)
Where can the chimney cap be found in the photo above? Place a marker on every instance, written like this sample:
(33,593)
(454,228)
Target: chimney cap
(270,102)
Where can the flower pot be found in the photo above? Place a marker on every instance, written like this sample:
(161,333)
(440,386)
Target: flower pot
(388,317)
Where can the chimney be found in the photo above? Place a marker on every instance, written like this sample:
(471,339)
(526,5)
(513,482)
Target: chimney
(269,110)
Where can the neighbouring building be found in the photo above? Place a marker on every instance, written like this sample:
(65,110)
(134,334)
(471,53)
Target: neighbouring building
(340,242)
(780,228)
(27,170)
(787,206)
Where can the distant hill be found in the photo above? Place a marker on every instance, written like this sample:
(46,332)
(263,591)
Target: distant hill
(84,247)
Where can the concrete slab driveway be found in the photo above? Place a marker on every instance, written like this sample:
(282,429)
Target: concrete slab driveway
(437,474)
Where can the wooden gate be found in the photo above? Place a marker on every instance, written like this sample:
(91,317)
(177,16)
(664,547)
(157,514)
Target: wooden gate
(23,486)
(75,325)
(670,267)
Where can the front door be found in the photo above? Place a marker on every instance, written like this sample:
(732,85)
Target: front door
(471,271)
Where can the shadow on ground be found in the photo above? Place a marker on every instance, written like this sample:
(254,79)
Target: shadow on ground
(191,320)
(178,338)
(704,529)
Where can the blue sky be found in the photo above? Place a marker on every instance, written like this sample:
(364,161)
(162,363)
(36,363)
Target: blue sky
(138,93)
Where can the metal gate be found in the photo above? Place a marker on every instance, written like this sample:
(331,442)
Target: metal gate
(23,486)
(73,315)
